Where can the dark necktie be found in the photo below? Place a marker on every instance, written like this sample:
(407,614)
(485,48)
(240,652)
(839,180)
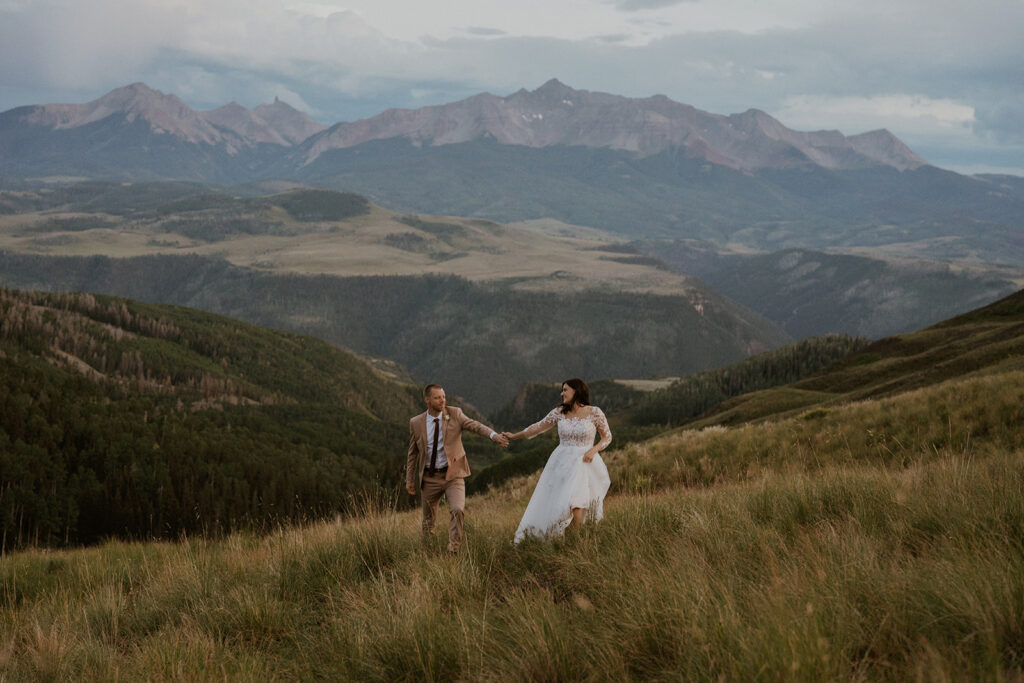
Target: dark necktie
(433,452)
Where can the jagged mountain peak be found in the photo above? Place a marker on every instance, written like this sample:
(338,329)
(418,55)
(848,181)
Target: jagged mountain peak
(165,113)
(130,92)
(232,106)
(292,125)
(557,114)
(231,125)
(884,146)
(555,88)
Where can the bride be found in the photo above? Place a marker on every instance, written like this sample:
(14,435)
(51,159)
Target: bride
(575,479)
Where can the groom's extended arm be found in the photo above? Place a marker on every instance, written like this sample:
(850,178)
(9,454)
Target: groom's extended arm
(469,424)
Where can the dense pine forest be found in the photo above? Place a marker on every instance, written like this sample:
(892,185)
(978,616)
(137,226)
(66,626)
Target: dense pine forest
(133,420)
(690,396)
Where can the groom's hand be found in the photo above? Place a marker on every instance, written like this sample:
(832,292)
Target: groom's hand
(501,440)
(411,488)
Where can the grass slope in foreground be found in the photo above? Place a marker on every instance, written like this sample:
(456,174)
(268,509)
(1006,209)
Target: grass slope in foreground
(880,540)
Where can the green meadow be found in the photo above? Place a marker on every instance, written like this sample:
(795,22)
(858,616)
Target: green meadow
(875,540)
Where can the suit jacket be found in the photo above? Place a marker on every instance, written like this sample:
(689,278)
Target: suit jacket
(455,421)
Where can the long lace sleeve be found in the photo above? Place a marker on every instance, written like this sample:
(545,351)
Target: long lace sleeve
(549,421)
(601,422)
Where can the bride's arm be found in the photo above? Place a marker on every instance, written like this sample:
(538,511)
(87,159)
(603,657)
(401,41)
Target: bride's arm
(602,428)
(549,421)
(601,422)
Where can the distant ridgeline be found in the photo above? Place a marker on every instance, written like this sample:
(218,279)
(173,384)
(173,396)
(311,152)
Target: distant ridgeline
(125,419)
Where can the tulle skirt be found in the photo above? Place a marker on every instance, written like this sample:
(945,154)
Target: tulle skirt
(566,483)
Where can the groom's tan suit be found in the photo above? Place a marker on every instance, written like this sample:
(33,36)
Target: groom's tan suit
(451,481)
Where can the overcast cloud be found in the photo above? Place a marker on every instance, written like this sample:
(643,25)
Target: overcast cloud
(946,77)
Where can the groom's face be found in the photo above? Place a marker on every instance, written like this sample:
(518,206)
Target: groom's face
(436,400)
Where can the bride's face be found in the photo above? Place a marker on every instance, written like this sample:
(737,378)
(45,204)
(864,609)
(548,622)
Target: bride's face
(568,394)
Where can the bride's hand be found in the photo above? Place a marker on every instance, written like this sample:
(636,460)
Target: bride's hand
(509,435)
(589,455)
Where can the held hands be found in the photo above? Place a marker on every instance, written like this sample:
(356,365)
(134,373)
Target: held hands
(501,439)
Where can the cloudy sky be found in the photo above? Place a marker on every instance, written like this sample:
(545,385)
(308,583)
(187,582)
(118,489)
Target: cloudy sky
(946,76)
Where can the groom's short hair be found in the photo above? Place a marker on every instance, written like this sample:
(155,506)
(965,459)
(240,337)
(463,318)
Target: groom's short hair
(430,387)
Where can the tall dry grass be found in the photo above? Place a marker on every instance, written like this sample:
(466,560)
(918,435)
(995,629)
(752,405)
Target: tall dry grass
(895,555)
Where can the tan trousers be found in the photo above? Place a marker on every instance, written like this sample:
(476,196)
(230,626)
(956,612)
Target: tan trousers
(454,491)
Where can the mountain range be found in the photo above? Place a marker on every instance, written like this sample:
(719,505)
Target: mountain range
(557,115)
(552,115)
(649,168)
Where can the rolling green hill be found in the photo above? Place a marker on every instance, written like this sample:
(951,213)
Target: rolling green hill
(119,418)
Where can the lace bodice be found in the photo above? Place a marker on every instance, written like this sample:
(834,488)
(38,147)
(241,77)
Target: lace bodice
(575,431)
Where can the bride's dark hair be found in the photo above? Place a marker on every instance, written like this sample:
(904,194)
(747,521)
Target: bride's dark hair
(582,395)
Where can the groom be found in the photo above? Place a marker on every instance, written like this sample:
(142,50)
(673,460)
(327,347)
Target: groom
(437,460)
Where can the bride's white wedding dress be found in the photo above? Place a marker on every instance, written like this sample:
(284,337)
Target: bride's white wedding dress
(567,482)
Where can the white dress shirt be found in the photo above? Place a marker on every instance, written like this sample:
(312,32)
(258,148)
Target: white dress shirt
(436,422)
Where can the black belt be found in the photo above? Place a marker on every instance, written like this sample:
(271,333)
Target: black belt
(437,470)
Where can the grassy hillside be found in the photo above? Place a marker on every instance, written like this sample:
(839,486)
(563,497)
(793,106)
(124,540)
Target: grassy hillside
(119,418)
(883,541)
(990,339)
(312,232)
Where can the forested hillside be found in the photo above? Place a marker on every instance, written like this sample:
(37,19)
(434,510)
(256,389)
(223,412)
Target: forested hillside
(119,418)
(687,397)
(481,340)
